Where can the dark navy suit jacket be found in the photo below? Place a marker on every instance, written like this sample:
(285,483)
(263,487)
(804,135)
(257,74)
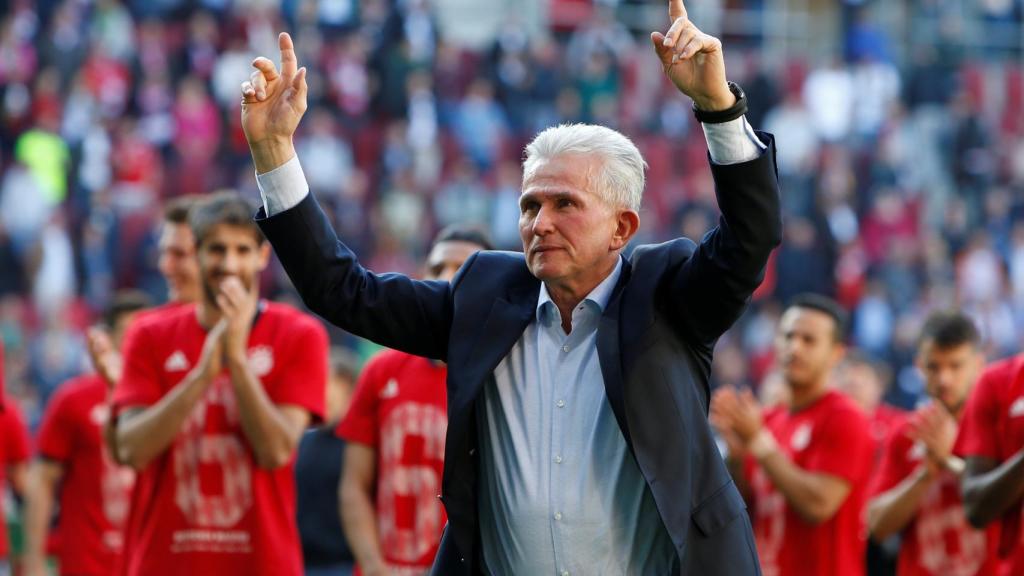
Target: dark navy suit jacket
(654,342)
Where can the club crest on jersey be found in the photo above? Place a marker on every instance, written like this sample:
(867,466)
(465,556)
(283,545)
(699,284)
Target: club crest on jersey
(801,438)
(261,360)
(916,452)
(1017,408)
(176,362)
(390,390)
(98,415)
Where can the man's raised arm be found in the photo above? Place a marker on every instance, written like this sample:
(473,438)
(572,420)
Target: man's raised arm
(715,284)
(392,310)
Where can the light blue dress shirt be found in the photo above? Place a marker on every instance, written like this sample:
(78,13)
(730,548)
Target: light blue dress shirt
(560,492)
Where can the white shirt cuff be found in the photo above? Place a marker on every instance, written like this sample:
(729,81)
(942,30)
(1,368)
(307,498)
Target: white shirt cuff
(732,142)
(283,187)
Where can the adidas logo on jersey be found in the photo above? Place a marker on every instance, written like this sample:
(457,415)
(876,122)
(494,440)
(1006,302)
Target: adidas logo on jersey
(176,362)
(390,389)
(1017,408)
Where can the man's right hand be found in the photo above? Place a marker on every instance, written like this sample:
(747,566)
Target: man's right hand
(273,102)
(211,360)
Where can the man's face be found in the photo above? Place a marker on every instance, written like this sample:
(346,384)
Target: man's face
(806,347)
(177,262)
(447,257)
(861,383)
(949,373)
(567,228)
(230,251)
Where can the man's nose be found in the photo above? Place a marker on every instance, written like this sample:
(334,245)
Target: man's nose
(230,262)
(543,223)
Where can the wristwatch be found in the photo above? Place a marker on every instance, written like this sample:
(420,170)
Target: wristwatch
(731,113)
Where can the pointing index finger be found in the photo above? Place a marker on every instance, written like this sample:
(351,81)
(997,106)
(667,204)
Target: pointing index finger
(289,63)
(676,9)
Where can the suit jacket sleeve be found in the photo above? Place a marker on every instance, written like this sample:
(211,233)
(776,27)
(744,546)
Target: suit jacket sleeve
(711,288)
(391,309)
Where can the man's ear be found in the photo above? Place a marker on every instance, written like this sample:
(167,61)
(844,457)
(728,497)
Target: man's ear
(264,255)
(627,222)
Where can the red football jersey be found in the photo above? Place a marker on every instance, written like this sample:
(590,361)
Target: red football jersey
(204,506)
(993,427)
(938,541)
(832,437)
(95,491)
(883,421)
(14,449)
(399,410)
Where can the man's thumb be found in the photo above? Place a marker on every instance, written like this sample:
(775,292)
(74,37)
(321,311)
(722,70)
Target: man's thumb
(658,39)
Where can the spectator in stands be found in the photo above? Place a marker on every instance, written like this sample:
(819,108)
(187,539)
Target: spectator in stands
(803,466)
(395,433)
(73,468)
(916,489)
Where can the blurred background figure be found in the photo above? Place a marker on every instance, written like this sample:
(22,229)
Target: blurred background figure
(916,492)
(74,477)
(803,465)
(318,471)
(395,438)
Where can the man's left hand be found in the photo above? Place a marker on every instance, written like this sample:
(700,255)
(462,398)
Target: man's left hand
(693,61)
(238,307)
(934,427)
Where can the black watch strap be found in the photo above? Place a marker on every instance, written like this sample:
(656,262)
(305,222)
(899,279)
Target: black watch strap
(731,113)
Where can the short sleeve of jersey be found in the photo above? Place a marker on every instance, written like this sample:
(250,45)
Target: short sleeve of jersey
(305,380)
(54,439)
(893,467)
(15,435)
(978,435)
(360,422)
(139,384)
(844,447)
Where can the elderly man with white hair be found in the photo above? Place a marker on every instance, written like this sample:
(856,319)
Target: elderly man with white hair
(578,440)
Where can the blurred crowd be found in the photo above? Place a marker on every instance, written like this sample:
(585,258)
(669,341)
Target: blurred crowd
(901,179)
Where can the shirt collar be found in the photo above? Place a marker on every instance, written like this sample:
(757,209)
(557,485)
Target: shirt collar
(600,295)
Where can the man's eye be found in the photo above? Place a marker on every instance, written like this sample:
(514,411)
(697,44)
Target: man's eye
(566,203)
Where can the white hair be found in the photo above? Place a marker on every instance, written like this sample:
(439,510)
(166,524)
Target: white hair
(621,177)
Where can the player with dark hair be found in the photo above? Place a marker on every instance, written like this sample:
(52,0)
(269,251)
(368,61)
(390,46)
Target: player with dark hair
(916,490)
(211,406)
(804,466)
(991,442)
(74,468)
(395,431)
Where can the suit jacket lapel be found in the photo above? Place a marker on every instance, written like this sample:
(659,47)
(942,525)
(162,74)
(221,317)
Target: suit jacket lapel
(502,327)
(609,352)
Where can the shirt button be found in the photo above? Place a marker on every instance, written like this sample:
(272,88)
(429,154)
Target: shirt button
(565,348)
(558,515)
(558,459)
(560,403)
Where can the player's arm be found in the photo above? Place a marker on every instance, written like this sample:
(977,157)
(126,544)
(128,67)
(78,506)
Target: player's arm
(815,496)
(273,431)
(990,488)
(891,511)
(358,515)
(143,433)
(43,478)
